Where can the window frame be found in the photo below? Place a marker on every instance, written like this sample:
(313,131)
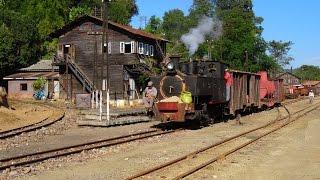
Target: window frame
(151,50)
(22,85)
(146,49)
(141,48)
(122,47)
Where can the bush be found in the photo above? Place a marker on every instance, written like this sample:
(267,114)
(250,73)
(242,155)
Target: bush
(39,84)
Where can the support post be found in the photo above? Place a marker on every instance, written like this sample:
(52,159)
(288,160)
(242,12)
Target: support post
(108,103)
(92,100)
(97,100)
(100,102)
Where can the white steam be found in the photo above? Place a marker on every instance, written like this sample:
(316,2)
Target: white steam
(207,26)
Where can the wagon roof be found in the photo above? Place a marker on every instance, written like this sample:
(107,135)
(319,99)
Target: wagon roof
(84,18)
(242,72)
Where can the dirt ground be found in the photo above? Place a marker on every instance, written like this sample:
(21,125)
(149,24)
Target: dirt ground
(288,154)
(22,114)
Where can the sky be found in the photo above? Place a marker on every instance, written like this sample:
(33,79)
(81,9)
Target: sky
(288,20)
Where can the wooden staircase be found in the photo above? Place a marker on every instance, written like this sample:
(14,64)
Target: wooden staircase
(76,70)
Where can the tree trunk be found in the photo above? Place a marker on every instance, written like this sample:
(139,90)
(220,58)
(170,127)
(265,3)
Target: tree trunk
(3,98)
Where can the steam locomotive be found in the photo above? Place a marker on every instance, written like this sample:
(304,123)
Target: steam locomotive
(212,96)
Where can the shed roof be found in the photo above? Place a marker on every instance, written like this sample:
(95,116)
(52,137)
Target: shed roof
(32,75)
(81,19)
(310,83)
(281,74)
(42,65)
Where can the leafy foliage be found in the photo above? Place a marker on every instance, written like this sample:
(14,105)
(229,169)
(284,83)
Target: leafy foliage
(79,11)
(279,51)
(308,72)
(154,25)
(39,84)
(19,41)
(121,11)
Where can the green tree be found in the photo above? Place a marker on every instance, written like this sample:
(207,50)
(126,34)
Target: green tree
(279,50)
(200,8)
(19,41)
(308,72)
(121,11)
(174,26)
(39,84)
(241,45)
(79,11)
(154,25)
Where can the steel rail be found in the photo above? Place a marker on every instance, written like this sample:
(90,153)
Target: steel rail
(222,156)
(192,154)
(43,123)
(64,151)
(31,127)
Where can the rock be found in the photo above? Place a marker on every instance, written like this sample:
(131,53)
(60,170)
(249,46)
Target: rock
(215,176)
(13,173)
(26,170)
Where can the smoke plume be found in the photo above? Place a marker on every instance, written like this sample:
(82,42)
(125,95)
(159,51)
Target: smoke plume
(207,26)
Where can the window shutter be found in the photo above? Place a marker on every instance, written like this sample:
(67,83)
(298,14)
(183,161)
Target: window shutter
(151,50)
(133,47)
(140,48)
(121,47)
(109,47)
(146,49)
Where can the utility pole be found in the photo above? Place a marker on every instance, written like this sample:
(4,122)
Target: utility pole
(105,84)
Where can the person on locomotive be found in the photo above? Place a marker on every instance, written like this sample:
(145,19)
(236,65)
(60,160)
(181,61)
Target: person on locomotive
(150,93)
(228,80)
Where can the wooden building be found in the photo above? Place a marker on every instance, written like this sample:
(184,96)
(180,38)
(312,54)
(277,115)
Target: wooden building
(20,83)
(289,79)
(312,85)
(79,57)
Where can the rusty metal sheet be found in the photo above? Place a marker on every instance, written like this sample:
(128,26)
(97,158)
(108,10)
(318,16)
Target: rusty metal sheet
(83,100)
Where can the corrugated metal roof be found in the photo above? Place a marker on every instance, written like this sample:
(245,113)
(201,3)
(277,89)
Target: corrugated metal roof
(80,19)
(32,75)
(42,65)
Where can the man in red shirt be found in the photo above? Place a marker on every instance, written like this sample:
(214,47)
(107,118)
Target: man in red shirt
(229,80)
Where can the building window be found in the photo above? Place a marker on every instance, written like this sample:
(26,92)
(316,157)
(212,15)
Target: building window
(151,50)
(140,48)
(133,47)
(105,47)
(23,87)
(146,49)
(122,47)
(126,47)
(109,47)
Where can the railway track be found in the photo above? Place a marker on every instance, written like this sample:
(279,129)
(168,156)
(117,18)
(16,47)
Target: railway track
(44,123)
(26,159)
(294,101)
(203,157)
(31,158)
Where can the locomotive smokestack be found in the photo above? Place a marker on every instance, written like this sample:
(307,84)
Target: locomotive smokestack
(208,26)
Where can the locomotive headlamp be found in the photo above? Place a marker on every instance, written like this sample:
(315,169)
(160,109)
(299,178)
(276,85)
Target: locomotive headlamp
(170,65)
